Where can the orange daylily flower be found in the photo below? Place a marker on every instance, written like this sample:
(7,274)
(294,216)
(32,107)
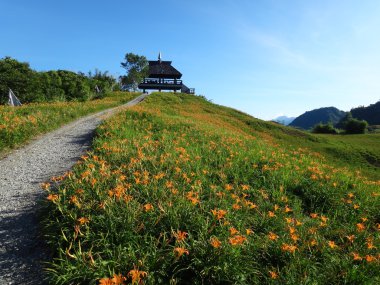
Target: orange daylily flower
(370,258)
(273,274)
(332,244)
(249,232)
(148,207)
(52,197)
(370,243)
(106,281)
(292,230)
(312,230)
(356,256)
(83,220)
(233,231)
(351,238)
(228,187)
(245,187)
(179,251)
(215,242)
(313,242)
(272,236)
(288,247)
(180,236)
(219,214)
(288,220)
(137,275)
(287,209)
(45,186)
(294,237)
(118,279)
(251,205)
(360,227)
(324,219)
(236,206)
(237,240)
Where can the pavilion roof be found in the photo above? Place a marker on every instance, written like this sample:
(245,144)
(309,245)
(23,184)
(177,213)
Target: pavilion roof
(163,69)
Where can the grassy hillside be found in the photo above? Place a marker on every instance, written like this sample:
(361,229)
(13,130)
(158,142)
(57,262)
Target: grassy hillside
(180,191)
(354,152)
(20,124)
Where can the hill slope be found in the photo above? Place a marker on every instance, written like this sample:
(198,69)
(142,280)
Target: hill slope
(182,191)
(323,115)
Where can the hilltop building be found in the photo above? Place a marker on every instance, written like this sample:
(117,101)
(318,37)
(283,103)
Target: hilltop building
(163,76)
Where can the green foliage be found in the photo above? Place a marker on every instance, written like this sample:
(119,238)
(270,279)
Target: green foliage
(51,85)
(354,126)
(324,129)
(32,86)
(136,67)
(74,86)
(103,81)
(20,78)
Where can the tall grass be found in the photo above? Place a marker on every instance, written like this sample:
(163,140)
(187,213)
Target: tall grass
(20,124)
(180,191)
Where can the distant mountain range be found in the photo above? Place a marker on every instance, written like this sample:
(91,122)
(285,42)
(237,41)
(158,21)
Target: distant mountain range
(309,119)
(284,120)
(322,115)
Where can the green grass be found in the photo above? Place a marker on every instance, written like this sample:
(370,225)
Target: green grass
(181,191)
(20,124)
(354,152)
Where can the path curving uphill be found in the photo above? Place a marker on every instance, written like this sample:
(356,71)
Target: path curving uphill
(22,251)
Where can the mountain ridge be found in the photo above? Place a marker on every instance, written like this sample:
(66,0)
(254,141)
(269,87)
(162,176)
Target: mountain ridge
(321,115)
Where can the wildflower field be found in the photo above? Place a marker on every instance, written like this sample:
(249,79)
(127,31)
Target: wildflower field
(178,190)
(19,124)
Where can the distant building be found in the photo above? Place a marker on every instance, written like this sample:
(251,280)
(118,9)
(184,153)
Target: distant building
(163,76)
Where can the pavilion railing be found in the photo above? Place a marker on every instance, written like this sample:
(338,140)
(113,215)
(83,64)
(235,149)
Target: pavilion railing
(161,81)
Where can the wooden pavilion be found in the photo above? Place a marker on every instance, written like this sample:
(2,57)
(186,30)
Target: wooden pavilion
(163,76)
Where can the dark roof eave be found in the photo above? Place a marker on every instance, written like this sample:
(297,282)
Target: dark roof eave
(169,76)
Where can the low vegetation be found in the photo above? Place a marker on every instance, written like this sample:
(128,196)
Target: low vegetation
(180,191)
(324,129)
(51,86)
(20,124)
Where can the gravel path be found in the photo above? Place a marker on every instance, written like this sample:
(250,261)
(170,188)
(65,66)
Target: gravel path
(21,172)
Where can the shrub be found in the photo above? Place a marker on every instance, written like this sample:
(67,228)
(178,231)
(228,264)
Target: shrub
(324,129)
(354,126)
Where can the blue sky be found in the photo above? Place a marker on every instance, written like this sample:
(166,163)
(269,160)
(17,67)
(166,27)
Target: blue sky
(264,57)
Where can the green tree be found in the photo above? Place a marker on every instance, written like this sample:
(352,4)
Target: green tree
(103,81)
(355,126)
(52,86)
(342,123)
(136,67)
(23,81)
(75,86)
